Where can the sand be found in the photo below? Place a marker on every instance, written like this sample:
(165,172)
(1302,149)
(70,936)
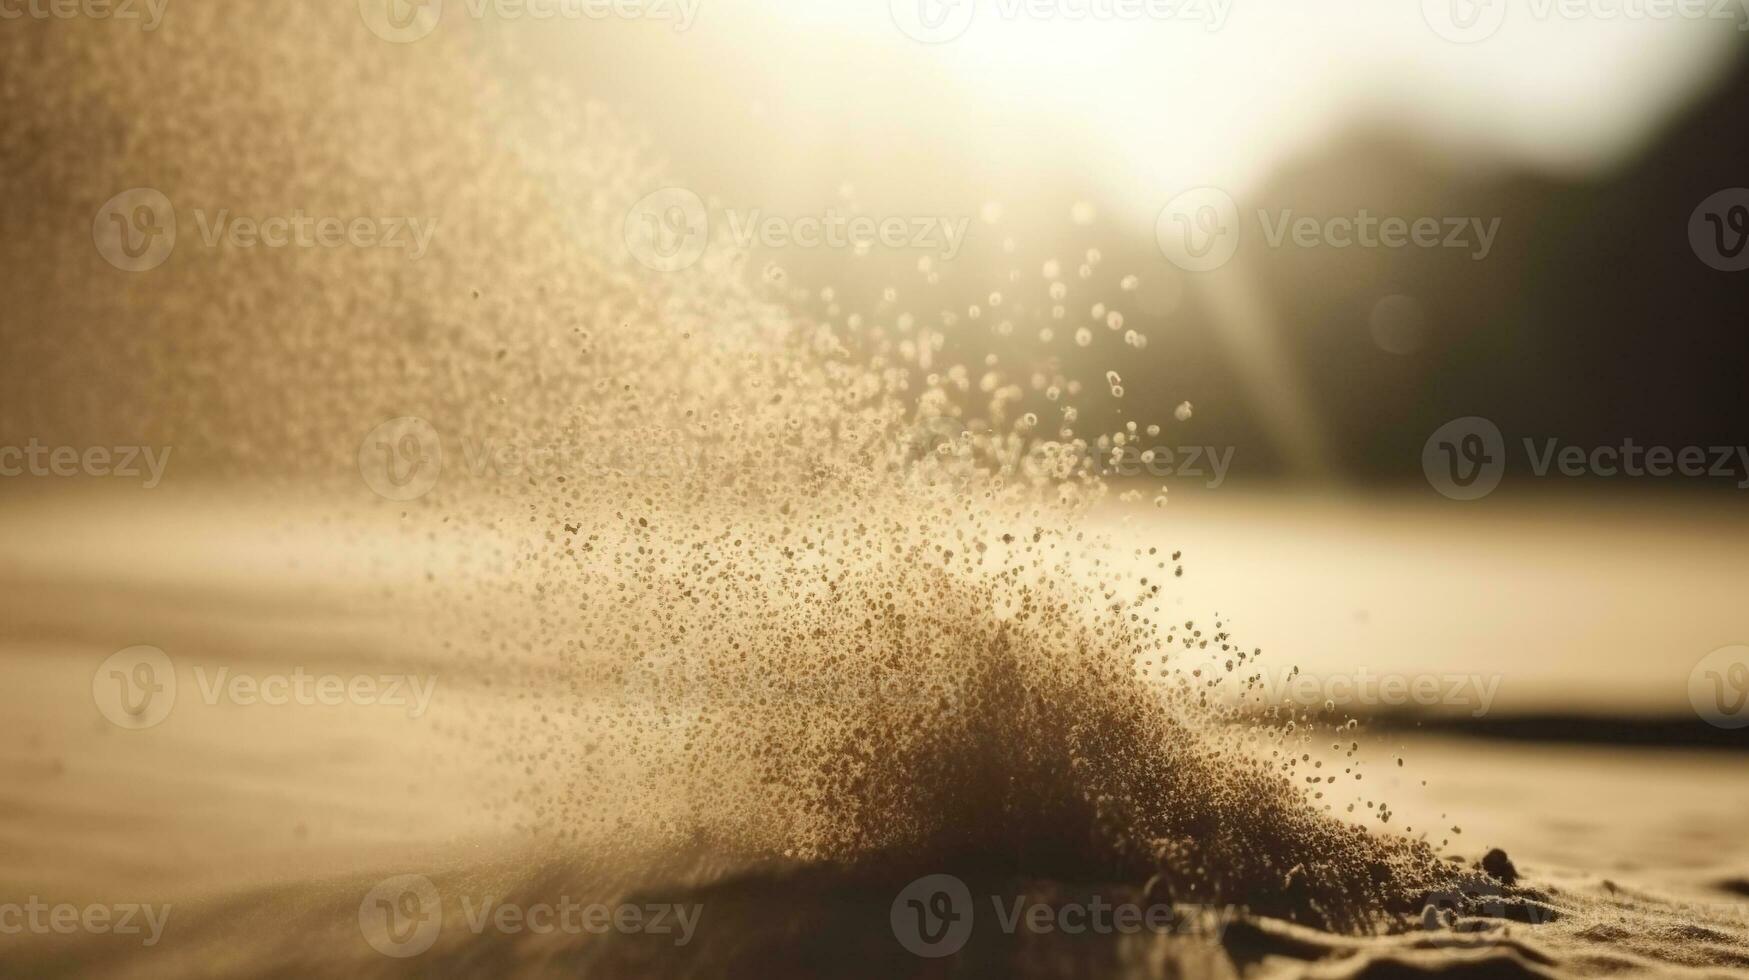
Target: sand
(263,827)
(780,624)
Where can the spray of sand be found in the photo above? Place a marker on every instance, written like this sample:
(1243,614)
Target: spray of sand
(800,590)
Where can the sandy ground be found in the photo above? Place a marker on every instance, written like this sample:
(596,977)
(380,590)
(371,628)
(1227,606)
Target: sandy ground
(263,827)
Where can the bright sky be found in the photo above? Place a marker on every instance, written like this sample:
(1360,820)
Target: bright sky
(1147,107)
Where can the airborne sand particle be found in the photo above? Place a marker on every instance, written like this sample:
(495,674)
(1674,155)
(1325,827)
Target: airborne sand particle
(863,625)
